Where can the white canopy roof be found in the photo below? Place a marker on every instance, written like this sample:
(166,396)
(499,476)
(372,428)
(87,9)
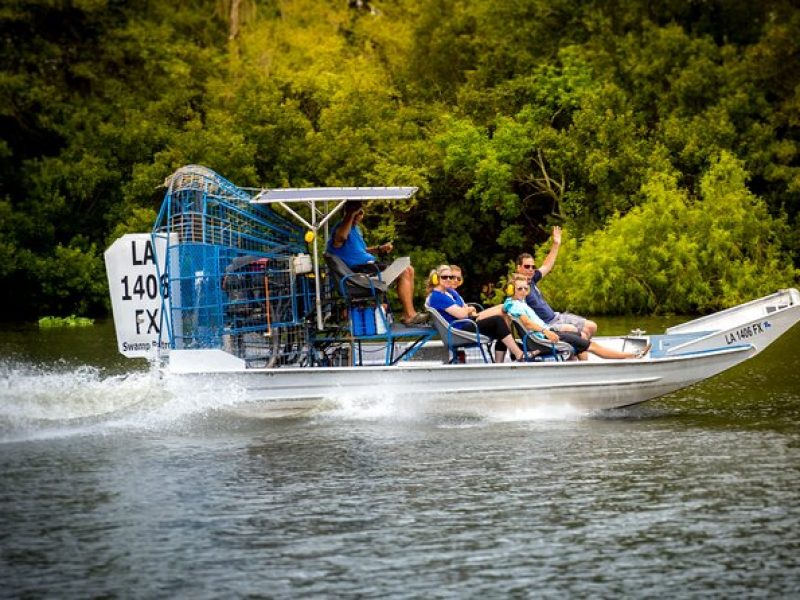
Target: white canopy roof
(287,195)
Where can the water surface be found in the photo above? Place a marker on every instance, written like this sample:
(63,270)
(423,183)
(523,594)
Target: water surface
(110,486)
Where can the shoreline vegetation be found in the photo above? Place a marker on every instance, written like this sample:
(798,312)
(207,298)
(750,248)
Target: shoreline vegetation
(70,321)
(664,139)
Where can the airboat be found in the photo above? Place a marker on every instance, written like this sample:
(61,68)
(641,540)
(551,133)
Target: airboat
(231,294)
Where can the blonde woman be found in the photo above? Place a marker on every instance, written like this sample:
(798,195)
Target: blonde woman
(494,327)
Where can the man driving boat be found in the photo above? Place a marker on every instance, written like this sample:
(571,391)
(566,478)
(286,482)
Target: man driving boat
(347,243)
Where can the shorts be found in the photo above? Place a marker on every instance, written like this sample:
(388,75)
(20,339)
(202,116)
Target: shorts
(372,268)
(573,339)
(566,318)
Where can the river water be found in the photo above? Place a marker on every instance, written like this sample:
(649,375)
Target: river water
(112,487)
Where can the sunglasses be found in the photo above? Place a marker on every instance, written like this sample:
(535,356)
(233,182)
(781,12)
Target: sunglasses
(458,277)
(523,288)
(447,277)
(528,267)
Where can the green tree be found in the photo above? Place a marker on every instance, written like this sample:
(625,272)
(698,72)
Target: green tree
(607,117)
(676,253)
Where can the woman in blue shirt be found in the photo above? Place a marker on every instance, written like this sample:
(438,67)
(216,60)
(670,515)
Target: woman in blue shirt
(493,326)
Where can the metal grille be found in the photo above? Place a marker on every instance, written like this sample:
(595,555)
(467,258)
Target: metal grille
(229,268)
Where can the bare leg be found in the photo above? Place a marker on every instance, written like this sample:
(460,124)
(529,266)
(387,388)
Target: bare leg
(511,344)
(495,311)
(405,291)
(604,352)
(490,312)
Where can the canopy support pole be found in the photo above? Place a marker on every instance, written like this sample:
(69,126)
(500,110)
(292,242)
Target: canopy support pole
(310,196)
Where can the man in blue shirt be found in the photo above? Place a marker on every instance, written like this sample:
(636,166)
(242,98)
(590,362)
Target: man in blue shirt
(561,321)
(347,243)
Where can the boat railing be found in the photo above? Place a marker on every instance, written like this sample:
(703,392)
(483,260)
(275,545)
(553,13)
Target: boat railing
(743,313)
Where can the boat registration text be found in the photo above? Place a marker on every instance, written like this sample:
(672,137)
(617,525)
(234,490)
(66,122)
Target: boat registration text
(745,333)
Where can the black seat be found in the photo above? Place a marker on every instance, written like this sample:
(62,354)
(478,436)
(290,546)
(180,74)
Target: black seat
(352,285)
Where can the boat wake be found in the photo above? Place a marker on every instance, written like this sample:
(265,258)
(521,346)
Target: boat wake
(56,400)
(43,401)
(457,410)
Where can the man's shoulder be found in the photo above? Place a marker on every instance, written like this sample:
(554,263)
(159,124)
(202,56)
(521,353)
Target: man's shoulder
(355,233)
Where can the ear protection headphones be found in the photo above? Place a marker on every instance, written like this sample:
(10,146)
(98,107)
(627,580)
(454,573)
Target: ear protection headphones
(434,278)
(510,288)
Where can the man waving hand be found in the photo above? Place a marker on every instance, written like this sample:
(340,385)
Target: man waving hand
(562,321)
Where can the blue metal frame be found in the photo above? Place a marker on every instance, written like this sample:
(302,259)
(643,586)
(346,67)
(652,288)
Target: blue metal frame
(453,348)
(208,222)
(554,353)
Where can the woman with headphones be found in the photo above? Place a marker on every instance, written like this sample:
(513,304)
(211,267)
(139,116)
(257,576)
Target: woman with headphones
(494,326)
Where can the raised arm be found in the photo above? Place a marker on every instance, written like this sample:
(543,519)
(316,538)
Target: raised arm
(550,260)
(343,230)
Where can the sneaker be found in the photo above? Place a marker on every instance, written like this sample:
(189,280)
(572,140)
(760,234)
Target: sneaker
(643,352)
(421,318)
(418,319)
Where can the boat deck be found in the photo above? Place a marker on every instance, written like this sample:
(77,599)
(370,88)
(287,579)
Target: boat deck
(395,344)
(662,344)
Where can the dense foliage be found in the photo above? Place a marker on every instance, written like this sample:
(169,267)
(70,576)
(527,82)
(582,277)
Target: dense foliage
(664,137)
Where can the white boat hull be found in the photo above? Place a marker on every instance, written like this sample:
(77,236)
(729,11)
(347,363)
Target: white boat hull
(462,388)
(686,354)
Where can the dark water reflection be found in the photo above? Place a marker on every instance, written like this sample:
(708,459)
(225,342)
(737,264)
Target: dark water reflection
(695,495)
